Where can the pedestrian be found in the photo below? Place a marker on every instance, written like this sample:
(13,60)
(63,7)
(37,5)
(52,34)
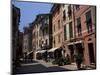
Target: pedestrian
(79,60)
(68,58)
(48,57)
(46,53)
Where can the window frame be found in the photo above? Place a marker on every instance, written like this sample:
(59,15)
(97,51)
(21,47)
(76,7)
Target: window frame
(79,27)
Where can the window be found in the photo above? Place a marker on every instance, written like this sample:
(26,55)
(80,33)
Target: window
(43,32)
(77,7)
(25,47)
(58,9)
(63,5)
(46,20)
(70,30)
(58,38)
(69,12)
(58,24)
(26,41)
(54,41)
(40,43)
(64,15)
(34,35)
(65,32)
(54,27)
(89,21)
(94,15)
(79,26)
(37,34)
(46,41)
(37,43)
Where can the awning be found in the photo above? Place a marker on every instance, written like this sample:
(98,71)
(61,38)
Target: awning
(52,50)
(41,51)
(29,52)
(74,43)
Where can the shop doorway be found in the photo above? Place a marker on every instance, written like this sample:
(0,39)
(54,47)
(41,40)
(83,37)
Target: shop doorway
(79,49)
(91,52)
(71,53)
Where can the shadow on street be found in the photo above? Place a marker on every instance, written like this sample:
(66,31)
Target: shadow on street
(37,68)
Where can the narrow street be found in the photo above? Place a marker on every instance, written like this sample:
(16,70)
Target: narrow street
(61,34)
(37,67)
(40,66)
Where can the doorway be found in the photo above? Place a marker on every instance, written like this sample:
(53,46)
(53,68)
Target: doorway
(91,52)
(71,53)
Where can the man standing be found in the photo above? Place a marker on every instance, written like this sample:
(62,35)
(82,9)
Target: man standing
(79,60)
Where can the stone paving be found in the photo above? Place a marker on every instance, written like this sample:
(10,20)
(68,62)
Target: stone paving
(71,66)
(49,64)
(40,66)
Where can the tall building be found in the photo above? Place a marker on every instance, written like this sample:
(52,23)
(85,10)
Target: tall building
(34,39)
(36,31)
(45,32)
(57,28)
(20,45)
(85,23)
(57,50)
(42,33)
(15,25)
(27,42)
(76,26)
(69,31)
(68,27)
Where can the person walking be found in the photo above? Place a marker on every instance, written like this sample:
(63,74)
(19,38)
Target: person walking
(79,60)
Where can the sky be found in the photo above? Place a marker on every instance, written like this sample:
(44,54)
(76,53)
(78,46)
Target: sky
(29,10)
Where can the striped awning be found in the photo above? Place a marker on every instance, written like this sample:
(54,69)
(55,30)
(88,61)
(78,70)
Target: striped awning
(53,49)
(41,51)
(74,43)
(29,52)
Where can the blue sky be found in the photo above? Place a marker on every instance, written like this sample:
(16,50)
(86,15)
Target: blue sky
(29,10)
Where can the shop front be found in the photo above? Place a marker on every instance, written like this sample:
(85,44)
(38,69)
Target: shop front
(41,54)
(75,48)
(55,53)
